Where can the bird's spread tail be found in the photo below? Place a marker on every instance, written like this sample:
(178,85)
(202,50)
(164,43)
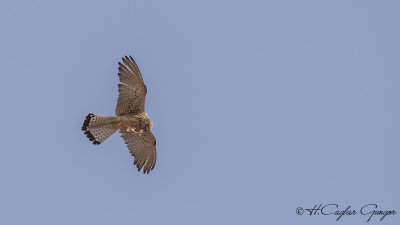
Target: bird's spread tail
(98,128)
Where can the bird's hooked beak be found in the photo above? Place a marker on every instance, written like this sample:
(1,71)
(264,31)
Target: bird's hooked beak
(147,123)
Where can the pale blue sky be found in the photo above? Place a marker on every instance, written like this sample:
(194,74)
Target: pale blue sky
(259,107)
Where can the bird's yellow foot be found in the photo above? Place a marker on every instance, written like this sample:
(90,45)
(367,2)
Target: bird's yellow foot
(138,133)
(117,125)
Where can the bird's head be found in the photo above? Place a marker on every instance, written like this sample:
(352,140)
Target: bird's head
(147,124)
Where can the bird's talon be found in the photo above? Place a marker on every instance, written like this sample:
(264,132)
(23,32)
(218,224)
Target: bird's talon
(138,133)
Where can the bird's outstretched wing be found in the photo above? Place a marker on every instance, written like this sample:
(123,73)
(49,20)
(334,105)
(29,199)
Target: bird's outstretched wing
(132,90)
(142,148)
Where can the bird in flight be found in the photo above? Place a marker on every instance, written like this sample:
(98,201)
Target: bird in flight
(131,119)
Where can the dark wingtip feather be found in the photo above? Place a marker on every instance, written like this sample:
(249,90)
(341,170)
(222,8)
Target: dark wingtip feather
(124,60)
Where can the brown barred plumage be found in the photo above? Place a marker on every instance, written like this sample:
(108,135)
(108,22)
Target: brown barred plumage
(132,120)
